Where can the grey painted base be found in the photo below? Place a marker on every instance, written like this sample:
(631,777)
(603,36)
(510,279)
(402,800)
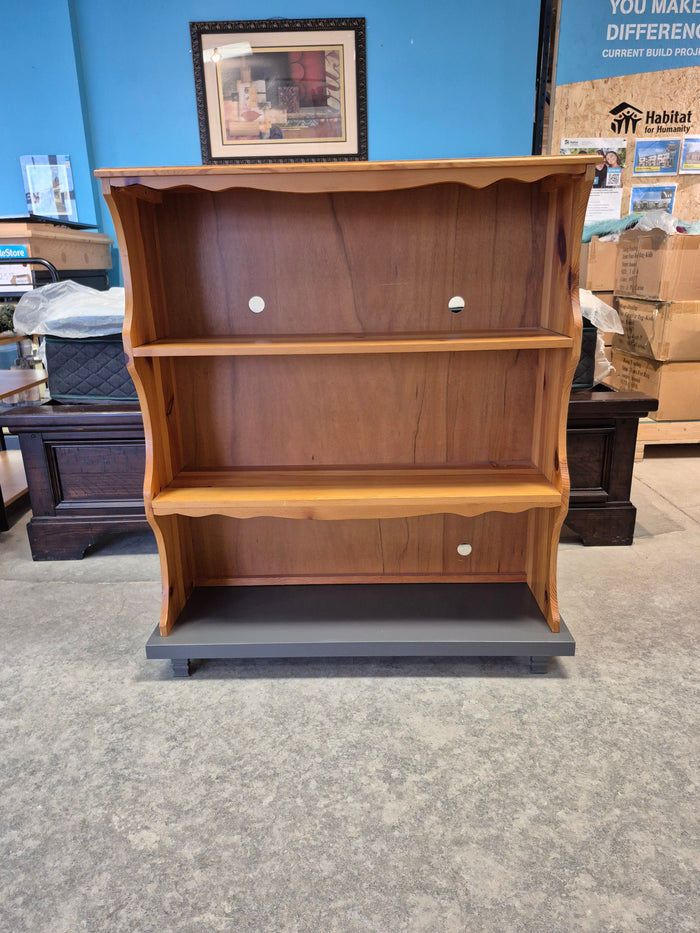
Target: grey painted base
(358,620)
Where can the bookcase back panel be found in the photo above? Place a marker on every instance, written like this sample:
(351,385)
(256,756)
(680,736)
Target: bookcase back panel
(228,550)
(351,262)
(384,409)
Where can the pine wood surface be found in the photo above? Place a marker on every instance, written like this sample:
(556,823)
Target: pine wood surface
(665,432)
(419,548)
(356,363)
(393,409)
(525,339)
(567,208)
(147,181)
(18,380)
(344,263)
(343,494)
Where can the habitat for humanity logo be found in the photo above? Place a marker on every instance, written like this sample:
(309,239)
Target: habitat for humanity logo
(627,118)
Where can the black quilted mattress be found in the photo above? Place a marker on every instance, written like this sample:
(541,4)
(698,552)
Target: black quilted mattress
(88,369)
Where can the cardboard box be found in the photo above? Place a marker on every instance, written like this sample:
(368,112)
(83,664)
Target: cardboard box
(597,266)
(607,298)
(659,330)
(658,266)
(62,246)
(675,385)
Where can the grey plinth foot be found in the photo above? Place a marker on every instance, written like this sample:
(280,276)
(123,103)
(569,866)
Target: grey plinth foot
(538,665)
(181,667)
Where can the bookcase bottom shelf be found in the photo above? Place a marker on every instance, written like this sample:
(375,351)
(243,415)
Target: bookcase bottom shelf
(361,620)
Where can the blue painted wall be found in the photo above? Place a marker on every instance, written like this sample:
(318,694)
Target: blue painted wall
(444,80)
(40,107)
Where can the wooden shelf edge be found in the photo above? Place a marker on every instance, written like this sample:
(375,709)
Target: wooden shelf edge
(328,177)
(572,164)
(333,495)
(6,338)
(351,510)
(534,339)
(355,579)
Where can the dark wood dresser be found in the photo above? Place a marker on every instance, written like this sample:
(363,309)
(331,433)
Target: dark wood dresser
(600,440)
(84,467)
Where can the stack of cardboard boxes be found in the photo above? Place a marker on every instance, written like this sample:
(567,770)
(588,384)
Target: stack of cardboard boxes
(657,295)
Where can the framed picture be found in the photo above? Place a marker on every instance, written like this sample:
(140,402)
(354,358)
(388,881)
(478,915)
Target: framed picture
(281,90)
(48,186)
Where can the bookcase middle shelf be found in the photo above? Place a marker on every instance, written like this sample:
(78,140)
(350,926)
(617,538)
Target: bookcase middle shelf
(358,493)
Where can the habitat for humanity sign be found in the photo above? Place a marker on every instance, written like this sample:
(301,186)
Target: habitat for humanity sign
(621,37)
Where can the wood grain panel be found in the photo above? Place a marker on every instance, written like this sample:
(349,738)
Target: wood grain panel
(355,262)
(99,471)
(385,409)
(176,552)
(158,394)
(503,280)
(227,549)
(135,224)
(566,213)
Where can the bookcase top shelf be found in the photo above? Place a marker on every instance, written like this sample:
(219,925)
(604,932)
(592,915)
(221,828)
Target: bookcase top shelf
(346,176)
(291,345)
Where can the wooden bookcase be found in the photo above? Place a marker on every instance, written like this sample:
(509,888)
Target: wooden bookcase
(356,432)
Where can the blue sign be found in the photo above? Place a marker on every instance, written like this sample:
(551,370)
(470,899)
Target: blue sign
(13,251)
(610,38)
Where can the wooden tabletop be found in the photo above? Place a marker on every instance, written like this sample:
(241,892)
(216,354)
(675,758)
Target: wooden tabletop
(13,381)
(11,338)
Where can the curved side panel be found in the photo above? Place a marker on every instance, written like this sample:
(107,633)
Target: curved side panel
(563,480)
(556,374)
(141,323)
(175,554)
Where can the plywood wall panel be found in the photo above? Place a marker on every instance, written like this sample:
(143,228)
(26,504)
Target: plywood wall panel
(583,110)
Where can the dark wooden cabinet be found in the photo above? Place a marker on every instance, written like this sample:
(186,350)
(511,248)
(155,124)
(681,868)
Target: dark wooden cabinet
(600,438)
(84,466)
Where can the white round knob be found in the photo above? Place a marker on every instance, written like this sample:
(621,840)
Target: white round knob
(256,304)
(464,550)
(456,304)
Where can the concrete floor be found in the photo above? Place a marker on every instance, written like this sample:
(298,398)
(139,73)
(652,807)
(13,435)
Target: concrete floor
(356,796)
